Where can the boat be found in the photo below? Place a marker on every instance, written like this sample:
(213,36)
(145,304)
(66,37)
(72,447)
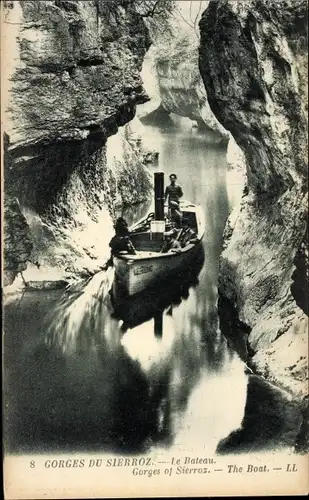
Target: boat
(154,238)
(155,299)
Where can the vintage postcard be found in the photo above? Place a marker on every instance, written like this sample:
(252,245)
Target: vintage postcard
(155,270)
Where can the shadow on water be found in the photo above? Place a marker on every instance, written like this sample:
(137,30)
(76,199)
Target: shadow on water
(270,421)
(156,371)
(151,302)
(77,387)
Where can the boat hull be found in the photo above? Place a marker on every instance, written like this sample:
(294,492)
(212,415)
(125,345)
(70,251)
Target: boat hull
(172,289)
(137,274)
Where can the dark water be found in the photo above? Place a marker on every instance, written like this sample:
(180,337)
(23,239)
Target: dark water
(156,374)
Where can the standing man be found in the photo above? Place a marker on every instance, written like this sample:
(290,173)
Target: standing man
(173,192)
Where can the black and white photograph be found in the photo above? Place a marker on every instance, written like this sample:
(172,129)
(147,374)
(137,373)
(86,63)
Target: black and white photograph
(155,248)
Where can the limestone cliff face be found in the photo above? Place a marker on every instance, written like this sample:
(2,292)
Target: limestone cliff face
(181,87)
(17,242)
(173,82)
(253,61)
(72,78)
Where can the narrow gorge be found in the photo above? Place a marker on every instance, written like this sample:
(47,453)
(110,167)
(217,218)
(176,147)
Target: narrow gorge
(100,95)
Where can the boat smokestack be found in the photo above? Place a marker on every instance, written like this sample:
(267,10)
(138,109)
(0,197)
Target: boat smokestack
(159,195)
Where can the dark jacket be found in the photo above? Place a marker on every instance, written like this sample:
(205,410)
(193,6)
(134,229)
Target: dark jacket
(121,244)
(173,193)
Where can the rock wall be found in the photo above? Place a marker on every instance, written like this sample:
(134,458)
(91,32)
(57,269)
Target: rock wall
(253,61)
(181,87)
(72,78)
(173,82)
(236,178)
(17,240)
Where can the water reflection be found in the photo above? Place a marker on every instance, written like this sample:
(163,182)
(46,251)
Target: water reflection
(150,373)
(151,302)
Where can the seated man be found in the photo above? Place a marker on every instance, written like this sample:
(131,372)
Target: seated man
(171,244)
(121,242)
(187,234)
